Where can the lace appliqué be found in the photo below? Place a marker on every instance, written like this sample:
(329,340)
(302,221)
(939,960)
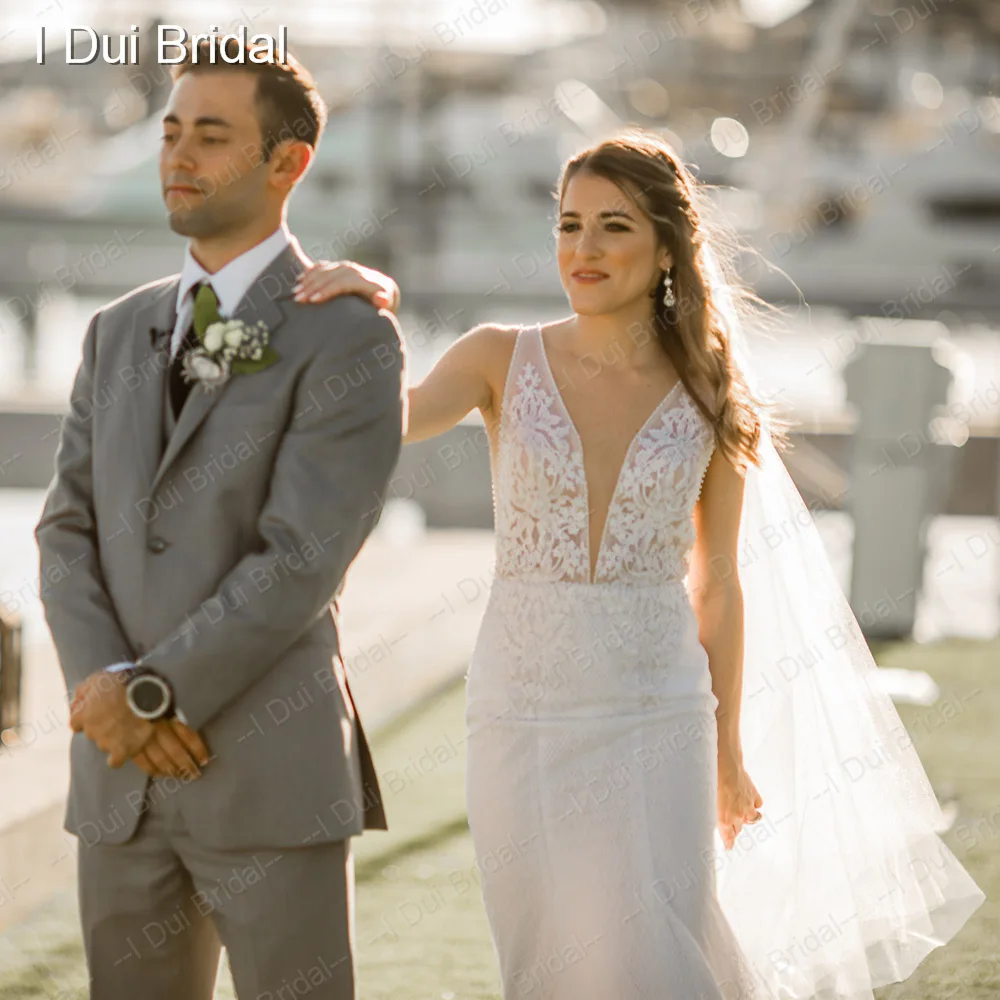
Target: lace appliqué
(540,498)
(650,527)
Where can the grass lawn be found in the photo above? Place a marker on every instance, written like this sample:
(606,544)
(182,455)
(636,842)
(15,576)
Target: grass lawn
(421,933)
(958,739)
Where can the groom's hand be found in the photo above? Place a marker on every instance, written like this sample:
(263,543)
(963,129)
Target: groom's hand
(175,750)
(101,712)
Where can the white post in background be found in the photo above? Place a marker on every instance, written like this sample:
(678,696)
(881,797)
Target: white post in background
(901,465)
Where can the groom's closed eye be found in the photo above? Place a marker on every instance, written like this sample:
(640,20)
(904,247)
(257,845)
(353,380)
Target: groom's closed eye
(205,138)
(200,123)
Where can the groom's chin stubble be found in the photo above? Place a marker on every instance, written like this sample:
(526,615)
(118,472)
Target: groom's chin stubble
(187,223)
(206,220)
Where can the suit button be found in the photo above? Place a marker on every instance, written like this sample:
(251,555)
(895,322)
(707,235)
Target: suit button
(156,545)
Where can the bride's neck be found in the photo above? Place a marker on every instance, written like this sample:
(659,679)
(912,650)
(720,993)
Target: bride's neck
(620,339)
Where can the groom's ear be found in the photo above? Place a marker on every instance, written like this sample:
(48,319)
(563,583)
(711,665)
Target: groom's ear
(290,159)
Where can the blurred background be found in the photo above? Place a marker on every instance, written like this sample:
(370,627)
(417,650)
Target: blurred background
(855,147)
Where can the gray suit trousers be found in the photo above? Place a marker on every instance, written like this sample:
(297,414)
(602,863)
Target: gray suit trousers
(156,909)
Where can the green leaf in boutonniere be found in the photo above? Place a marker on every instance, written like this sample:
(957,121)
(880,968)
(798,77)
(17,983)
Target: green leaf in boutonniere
(247,366)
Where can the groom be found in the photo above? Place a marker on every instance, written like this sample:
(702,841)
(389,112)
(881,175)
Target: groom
(213,484)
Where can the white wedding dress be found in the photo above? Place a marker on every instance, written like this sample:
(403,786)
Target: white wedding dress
(591,731)
(592,740)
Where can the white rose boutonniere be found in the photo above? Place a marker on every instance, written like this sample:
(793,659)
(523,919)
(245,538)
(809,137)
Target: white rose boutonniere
(199,365)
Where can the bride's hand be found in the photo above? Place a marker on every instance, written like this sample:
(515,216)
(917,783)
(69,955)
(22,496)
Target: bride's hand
(327,279)
(739,802)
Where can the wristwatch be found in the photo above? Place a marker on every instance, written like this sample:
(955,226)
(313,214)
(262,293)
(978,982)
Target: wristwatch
(149,695)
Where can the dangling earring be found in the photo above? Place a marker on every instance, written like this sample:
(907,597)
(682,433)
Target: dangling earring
(668,290)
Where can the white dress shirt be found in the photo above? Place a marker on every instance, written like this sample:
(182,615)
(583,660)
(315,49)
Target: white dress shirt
(230,283)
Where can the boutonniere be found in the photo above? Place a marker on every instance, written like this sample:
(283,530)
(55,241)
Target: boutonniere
(227,347)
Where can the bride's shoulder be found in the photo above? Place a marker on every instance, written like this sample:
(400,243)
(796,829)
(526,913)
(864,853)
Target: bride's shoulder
(494,332)
(488,349)
(490,343)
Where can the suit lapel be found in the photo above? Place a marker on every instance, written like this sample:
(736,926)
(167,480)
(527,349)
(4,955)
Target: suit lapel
(152,326)
(260,303)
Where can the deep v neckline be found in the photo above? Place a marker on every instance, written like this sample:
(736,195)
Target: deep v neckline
(593,572)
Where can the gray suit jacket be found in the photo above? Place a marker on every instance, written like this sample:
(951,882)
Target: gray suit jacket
(215,560)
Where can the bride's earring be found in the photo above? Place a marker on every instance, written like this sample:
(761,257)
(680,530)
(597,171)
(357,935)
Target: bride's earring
(668,290)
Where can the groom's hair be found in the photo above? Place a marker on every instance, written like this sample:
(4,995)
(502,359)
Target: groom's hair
(288,104)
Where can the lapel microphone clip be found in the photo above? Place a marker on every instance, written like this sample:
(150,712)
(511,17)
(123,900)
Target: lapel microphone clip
(158,338)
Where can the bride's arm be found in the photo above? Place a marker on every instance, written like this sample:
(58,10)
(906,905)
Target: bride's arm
(717,596)
(458,382)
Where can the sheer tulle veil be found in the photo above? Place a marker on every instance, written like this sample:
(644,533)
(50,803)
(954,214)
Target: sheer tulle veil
(843,885)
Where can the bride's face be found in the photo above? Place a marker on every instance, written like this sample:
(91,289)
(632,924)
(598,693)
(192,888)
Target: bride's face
(608,251)
(210,169)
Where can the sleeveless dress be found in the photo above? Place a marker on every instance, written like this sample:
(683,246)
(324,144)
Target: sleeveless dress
(590,717)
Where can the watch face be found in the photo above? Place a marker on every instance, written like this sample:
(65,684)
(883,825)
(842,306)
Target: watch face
(148,694)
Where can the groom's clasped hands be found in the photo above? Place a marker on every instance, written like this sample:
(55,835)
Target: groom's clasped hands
(166,747)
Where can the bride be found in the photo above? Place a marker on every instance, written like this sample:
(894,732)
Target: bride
(663,635)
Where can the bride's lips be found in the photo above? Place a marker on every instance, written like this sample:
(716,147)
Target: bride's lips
(588,277)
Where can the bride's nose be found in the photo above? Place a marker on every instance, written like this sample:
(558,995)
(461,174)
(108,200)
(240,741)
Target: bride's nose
(590,247)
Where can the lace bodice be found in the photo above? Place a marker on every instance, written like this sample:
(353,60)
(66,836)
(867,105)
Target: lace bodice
(540,489)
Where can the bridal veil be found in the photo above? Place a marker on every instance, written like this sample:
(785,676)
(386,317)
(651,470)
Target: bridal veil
(843,885)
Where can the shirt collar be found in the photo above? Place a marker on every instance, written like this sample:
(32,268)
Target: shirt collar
(232,281)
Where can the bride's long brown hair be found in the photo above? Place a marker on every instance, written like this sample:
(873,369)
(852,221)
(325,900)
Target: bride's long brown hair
(695,332)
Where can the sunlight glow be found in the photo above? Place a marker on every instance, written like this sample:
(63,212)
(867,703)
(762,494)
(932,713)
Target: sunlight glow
(730,137)
(769,13)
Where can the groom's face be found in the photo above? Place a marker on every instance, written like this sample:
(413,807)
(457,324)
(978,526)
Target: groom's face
(213,178)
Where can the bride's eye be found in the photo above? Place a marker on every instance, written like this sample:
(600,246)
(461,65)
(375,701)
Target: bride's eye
(565,227)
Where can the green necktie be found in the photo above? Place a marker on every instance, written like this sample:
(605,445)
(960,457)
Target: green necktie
(206,311)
